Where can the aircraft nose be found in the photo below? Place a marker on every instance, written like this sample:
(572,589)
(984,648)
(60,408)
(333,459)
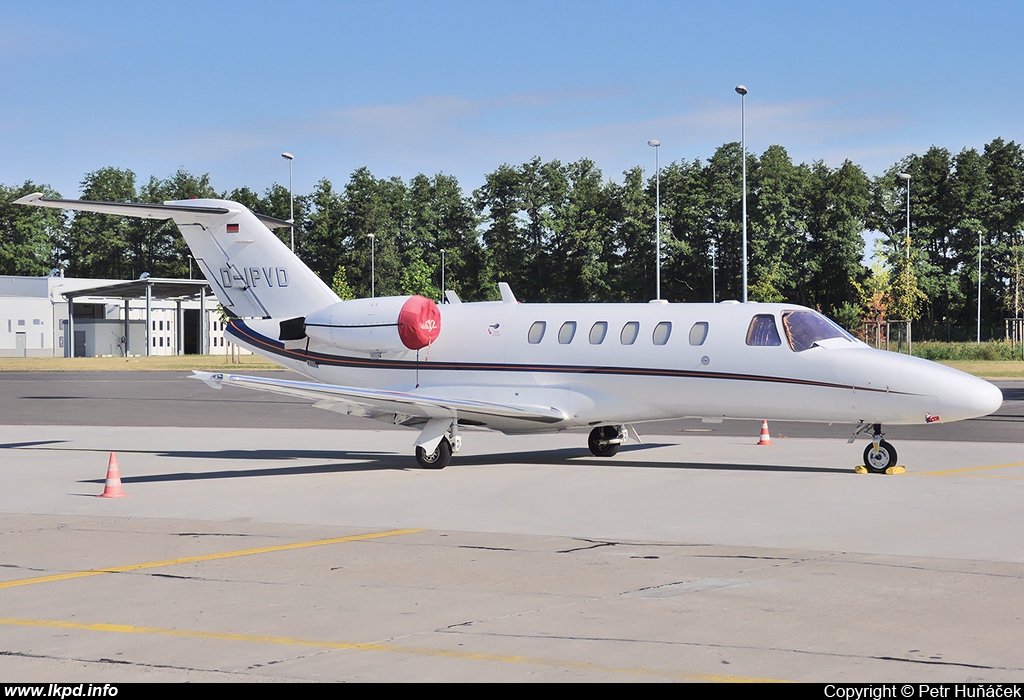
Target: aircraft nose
(970,398)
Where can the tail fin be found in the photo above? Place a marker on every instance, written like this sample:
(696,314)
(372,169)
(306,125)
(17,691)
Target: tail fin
(250,270)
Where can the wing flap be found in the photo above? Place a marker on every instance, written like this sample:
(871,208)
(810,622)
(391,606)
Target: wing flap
(378,401)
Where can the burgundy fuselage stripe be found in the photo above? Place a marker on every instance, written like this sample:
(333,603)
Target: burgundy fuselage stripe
(240,330)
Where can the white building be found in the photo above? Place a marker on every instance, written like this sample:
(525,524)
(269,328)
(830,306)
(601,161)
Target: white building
(111,317)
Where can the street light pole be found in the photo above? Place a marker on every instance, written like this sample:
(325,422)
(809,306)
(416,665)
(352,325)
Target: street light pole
(656,145)
(442,276)
(291,196)
(979,287)
(906,176)
(373,267)
(714,293)
(743,147)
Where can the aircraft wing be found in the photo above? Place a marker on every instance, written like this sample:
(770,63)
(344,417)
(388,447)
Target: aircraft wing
(376,403)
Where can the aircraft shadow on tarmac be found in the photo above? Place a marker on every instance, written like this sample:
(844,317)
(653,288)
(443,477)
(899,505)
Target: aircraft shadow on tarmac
(33,443)
(379,461)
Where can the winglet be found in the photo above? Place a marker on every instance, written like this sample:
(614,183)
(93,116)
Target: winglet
(212,379)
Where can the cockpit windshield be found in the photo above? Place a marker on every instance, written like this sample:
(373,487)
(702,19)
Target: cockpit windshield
(805,328)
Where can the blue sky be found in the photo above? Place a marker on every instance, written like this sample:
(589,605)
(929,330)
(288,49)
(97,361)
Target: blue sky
(462,87)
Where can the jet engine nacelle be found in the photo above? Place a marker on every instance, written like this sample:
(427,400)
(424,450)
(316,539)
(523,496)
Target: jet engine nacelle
(382,324)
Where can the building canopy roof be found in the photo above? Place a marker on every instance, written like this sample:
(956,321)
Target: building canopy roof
(136,289)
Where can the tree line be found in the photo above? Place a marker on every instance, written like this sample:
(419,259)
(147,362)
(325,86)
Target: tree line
(562,232)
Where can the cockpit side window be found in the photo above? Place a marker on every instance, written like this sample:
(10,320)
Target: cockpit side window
(763,331)
(805,328)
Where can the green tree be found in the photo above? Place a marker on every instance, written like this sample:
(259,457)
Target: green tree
(1004,218)
(837,205)
(31,238)
(722,181)
(777,229)
(100,245)
(685,243)
(339,284)
(631,254)
(156,246)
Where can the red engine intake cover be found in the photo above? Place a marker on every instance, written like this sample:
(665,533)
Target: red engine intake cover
(419,322)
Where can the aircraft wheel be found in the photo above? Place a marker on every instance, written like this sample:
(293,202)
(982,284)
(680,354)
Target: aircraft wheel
(438,459)
(598,441)
(877,461)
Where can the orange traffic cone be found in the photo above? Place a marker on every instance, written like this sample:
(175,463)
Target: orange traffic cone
(766,439)
(113,487)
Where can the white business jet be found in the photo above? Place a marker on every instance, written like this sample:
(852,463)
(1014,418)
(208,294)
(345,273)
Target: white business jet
(529,368)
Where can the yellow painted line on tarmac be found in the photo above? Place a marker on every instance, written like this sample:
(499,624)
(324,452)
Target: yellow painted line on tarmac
(969,470)
(203,557)
(372,646)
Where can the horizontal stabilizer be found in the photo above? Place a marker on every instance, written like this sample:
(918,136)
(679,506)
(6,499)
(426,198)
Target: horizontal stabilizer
(253,273)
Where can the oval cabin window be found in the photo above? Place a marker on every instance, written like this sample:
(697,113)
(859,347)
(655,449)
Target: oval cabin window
(661,333)
(536,332)
(699,333)
(629,333)
(567,332)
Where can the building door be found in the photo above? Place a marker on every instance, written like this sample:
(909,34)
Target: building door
(191,329)
(20,345)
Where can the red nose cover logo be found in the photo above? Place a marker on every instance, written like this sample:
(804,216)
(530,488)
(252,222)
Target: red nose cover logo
(419,322)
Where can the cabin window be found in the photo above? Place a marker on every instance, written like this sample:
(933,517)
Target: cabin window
(629,333)
(763,331)
(661,333)
(699,333)
(805,328)
(567,332)
(537,332)
(597,332)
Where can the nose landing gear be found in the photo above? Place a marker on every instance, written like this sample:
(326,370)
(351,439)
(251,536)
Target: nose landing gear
(879,455)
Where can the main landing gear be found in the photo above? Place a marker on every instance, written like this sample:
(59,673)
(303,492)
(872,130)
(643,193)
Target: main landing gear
(879,455)
(606,440)
(438,459)
(438,441)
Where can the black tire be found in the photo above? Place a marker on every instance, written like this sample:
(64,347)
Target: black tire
(878,462)
(598,441)
(438,459)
